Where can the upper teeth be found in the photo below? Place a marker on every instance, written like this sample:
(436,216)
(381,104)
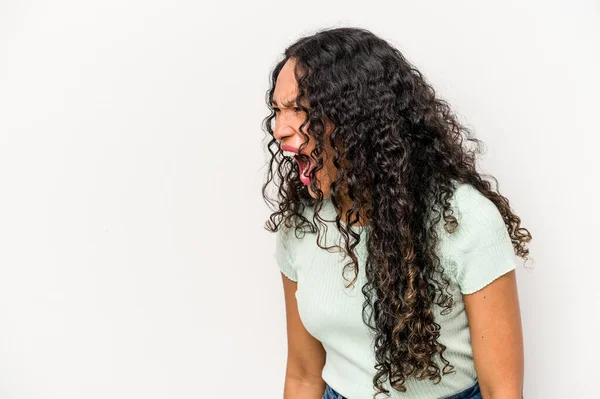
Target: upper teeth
(288,153)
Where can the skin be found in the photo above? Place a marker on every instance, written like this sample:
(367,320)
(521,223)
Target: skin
(288,121)
(306,355)
(493,312)
(497,337)
(287,131)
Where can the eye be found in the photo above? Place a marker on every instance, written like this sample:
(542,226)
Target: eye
(296,109)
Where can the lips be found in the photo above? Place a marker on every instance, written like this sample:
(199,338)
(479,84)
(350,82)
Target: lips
(285,147)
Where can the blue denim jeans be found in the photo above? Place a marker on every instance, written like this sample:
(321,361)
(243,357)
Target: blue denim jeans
(471,392)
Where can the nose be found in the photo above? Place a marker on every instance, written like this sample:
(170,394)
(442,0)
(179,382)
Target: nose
(283,129)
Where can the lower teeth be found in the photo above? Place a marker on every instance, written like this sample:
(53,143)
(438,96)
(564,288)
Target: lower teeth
(304,173)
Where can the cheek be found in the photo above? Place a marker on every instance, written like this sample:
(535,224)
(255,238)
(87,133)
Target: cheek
(327,175)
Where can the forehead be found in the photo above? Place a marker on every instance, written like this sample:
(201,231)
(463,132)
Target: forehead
(286,86)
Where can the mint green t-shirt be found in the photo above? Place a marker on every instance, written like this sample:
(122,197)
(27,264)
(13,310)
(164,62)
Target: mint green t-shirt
(477,253)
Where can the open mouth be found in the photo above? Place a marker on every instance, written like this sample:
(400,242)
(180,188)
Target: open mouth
(304,166)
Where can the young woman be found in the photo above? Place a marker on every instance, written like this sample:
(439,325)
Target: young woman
(397,257)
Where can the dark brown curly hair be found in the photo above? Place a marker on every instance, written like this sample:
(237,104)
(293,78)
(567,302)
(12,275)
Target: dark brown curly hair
(397,148)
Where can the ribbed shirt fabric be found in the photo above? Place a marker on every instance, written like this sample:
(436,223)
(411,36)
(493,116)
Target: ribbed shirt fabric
(477,253)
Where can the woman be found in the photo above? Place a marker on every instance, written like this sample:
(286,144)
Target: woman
(397,257)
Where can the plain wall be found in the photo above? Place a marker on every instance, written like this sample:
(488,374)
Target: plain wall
(133,258)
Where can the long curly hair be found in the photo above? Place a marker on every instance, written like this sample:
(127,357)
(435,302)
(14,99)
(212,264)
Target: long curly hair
(397,147)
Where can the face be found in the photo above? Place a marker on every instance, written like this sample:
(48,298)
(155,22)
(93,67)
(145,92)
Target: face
(287,130)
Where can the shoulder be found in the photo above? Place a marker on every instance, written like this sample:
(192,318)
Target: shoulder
(477,216)
(288,237)
(480,248)
(466,199)
(289,243)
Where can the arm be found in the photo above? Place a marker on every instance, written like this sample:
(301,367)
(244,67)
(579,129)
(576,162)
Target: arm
(306,356)
(496,338)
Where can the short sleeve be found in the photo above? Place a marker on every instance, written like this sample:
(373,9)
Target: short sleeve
(480,248)
(282,254)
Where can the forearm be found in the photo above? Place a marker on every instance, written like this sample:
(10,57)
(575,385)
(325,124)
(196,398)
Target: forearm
(297,388)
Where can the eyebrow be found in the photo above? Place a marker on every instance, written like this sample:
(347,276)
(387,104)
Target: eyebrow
(286,103)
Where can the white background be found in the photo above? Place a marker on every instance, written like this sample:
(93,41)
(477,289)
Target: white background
(133,259)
